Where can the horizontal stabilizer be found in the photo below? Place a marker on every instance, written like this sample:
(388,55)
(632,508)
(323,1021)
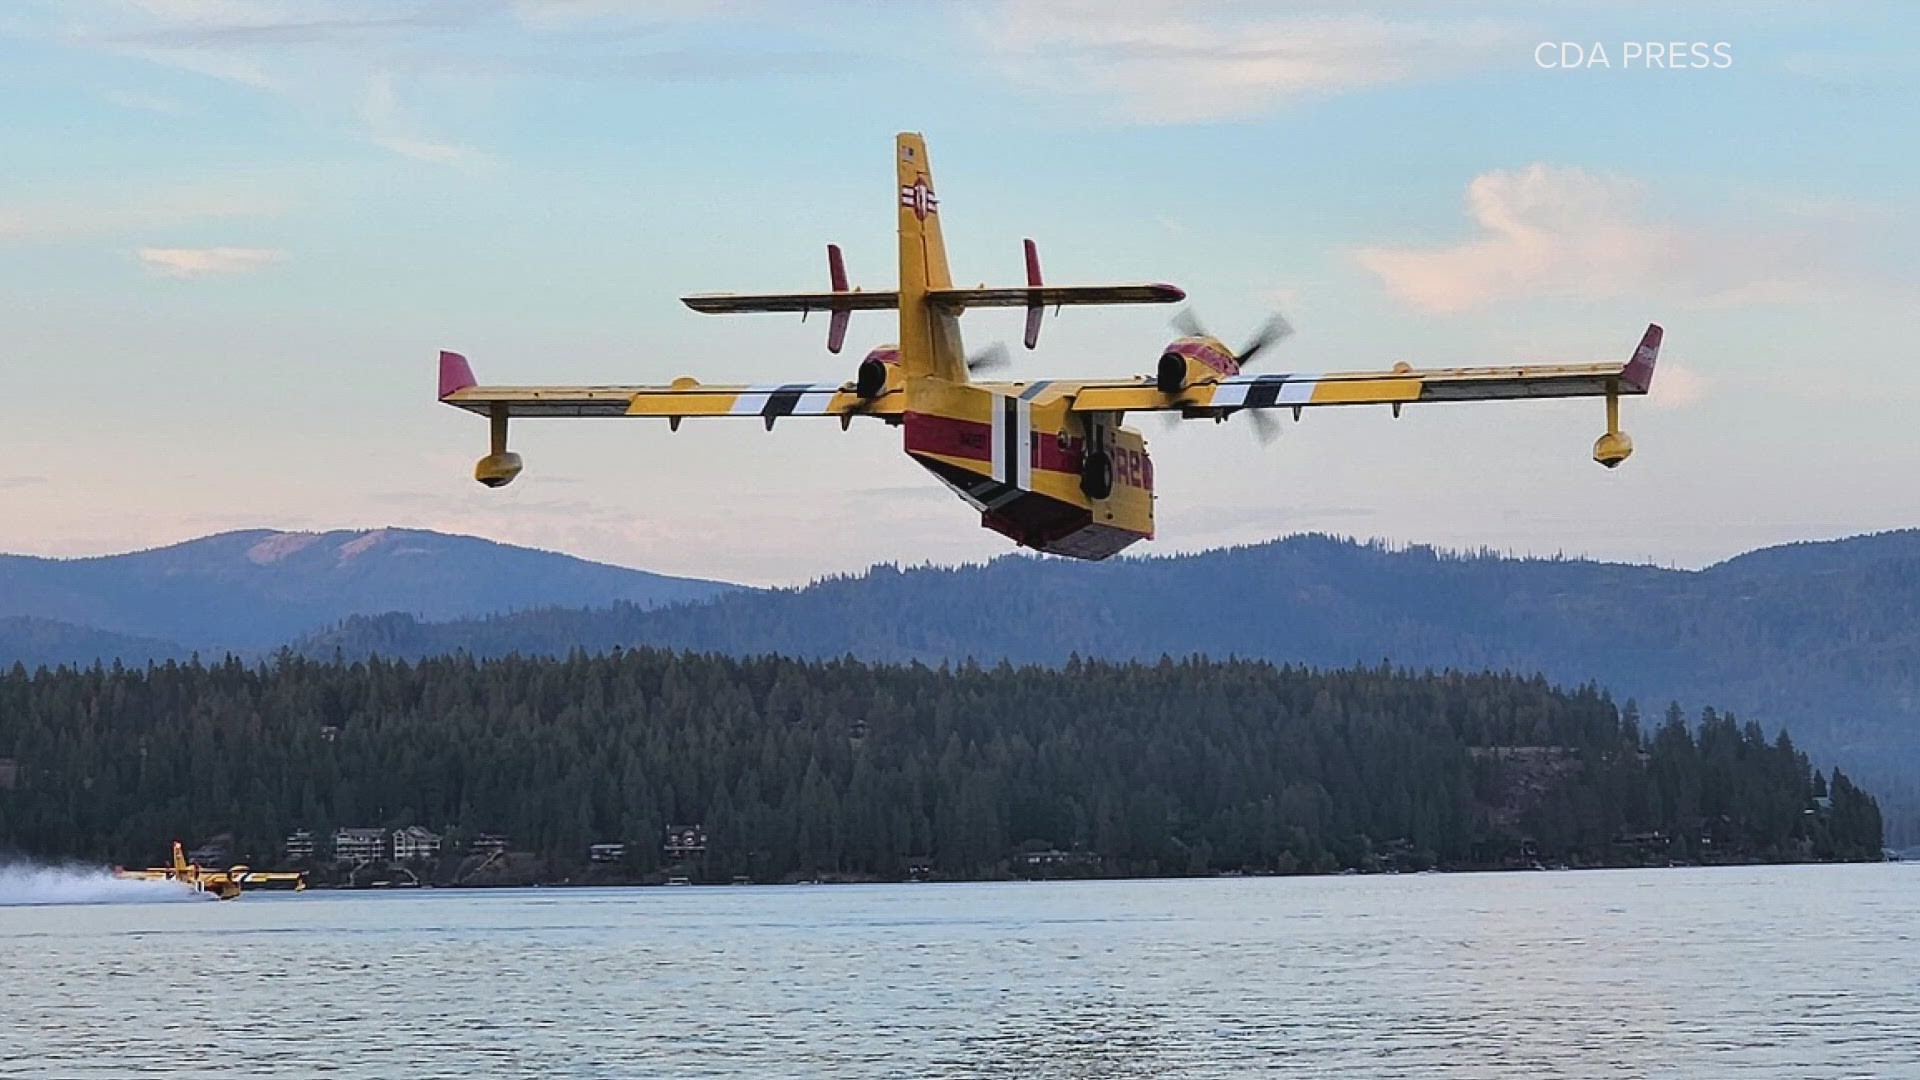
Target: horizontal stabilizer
(951,299)
(1055,296)
(803,302)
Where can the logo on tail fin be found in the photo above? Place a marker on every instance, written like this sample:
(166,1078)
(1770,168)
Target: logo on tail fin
(920,197)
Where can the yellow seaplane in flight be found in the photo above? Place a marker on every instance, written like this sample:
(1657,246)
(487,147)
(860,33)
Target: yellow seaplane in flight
(222,884)
(1049,462)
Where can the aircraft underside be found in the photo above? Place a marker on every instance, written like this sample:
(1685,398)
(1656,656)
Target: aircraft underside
(1033,477)
(1031,519)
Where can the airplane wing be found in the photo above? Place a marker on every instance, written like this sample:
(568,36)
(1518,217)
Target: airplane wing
(1400,385)
(682,398)
(267,877)
(155,874)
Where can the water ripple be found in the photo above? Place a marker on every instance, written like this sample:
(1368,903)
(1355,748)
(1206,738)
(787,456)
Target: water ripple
(1777,972)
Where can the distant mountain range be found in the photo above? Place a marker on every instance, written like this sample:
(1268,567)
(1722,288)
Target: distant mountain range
(1822,638)
(258,589)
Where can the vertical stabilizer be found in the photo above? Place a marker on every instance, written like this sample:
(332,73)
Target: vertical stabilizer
(929,340)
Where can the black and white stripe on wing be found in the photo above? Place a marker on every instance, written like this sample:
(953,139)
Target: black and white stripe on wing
(1265,391)
(783,401)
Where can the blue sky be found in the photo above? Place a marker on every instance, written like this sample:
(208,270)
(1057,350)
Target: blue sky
(233,235)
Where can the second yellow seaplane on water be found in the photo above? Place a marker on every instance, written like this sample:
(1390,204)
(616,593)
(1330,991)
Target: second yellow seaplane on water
(222,884)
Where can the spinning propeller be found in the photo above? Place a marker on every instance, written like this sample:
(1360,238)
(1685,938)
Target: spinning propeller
(991,358)
(1272,332)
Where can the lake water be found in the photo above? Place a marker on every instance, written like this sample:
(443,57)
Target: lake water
(1716,973)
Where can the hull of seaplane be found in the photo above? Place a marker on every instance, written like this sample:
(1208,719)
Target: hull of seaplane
(1066,483)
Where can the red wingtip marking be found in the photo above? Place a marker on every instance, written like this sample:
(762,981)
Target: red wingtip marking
(1639,370)
(455,373)
(1033,262)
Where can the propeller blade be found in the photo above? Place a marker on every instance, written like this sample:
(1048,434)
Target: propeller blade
(991,358)
(1274,331)
(1187,323)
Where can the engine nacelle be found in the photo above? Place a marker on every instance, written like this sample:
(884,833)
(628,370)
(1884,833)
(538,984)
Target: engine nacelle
(1192,360)
(876,374)
(497,470)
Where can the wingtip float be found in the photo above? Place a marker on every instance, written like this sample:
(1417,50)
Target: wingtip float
(1049,463)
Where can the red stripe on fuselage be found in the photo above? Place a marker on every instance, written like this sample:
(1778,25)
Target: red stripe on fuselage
(948,437)
(930,434)
(1048,454)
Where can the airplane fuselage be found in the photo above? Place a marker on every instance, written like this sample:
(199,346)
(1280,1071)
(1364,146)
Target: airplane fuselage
(1048,478)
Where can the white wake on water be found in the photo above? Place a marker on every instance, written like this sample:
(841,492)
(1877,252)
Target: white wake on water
(24,884)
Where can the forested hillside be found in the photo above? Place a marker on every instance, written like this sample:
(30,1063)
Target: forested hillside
(36,642)
(1821,638)
(799,768)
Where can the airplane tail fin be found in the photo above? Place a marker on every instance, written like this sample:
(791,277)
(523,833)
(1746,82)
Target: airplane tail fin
(179,858)
(929,339)
(923,253)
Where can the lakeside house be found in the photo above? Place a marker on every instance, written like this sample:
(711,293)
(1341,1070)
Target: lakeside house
(685,840)
(1054,859)
(300,845)
(606,853)
(415,842)
(359,845)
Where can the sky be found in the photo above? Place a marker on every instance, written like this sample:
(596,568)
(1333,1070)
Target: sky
(235,233)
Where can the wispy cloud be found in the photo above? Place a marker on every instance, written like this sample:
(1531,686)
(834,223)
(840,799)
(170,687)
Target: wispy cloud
(387,127)
(1158,61)
(208,262)
(1677,386)
(81,214)
(1546,230)
(142,101)
(1549,231)
(547,13)
(209,21)
(412,77)
(334,60)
